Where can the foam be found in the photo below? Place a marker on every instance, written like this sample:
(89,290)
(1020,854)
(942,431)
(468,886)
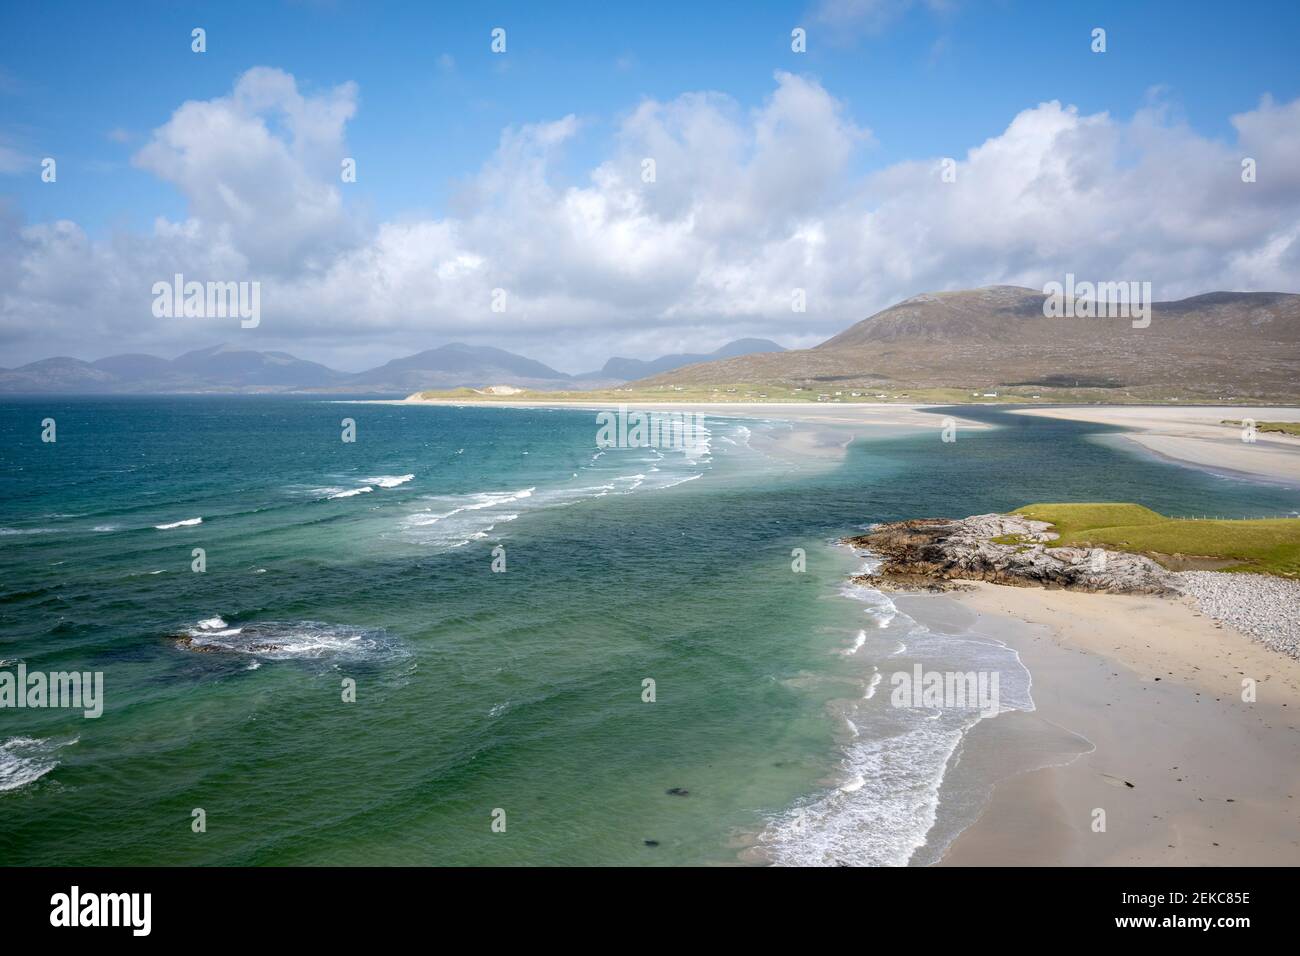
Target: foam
(891,769)
(353,493)
(284,640)
(389,481)
(24,760)
(187,523)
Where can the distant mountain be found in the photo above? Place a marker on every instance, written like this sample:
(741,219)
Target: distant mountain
(136,367)
(455,365)
(60,374)
(627,370)
(226,368)
(1217,345)
(221,368)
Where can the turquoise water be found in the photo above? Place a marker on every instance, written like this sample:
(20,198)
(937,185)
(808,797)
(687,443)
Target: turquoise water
(477,690)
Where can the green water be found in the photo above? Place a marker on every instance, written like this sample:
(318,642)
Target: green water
(475,690)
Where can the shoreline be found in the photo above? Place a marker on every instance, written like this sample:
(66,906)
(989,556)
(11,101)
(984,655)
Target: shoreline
(1193,435)
(898,415)
(1139,713)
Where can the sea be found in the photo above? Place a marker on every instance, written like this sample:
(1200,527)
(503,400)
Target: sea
(477,636)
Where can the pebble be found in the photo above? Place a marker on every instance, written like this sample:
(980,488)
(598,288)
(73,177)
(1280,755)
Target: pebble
(1262,606)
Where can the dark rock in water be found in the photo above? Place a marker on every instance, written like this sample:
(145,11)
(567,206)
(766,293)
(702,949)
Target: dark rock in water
(282,640)
(188,642)
(929,553)
(678,792)
(650,842)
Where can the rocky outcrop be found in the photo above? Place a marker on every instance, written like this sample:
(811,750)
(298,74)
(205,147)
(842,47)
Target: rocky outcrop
(929,553)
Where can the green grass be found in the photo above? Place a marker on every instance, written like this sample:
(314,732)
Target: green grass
(1286,428)
(1264,545)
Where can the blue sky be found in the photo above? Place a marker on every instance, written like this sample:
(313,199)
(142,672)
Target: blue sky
(929,83)
(89,83)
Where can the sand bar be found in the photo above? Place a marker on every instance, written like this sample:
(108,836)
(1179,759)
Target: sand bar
(1196,435)
(898,415)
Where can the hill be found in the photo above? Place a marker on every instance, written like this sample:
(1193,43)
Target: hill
(456,365)
(1222,346)
(627,370)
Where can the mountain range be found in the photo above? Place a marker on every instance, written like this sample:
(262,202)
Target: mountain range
(1220,345)
(226,368)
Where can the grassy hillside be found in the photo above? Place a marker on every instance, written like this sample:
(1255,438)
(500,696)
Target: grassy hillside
(1270,545)
(1219,348)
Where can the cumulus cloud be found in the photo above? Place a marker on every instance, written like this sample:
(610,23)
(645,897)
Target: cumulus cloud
(745,206)
(259,168)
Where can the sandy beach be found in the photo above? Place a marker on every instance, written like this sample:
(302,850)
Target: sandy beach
(1139,714)
(1196,435)
(899,415)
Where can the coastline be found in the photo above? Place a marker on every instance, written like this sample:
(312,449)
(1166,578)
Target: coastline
(1139,712)
(898,415)
(1137,698)
(1194,435)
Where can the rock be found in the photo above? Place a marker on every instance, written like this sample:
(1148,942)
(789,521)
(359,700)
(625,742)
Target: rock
(929,553)
(188,642)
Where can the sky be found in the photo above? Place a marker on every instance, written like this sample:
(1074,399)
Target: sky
(519,178)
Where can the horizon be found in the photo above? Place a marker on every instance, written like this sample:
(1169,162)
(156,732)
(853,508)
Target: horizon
(774,170)
(231,345)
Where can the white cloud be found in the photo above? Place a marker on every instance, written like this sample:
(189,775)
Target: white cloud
(260,168)
(745,207)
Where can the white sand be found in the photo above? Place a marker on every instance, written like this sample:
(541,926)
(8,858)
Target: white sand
(900,415)
(1156,688)
(1195,435)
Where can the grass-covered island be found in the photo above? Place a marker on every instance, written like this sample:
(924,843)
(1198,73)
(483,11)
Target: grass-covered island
(1263,545)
